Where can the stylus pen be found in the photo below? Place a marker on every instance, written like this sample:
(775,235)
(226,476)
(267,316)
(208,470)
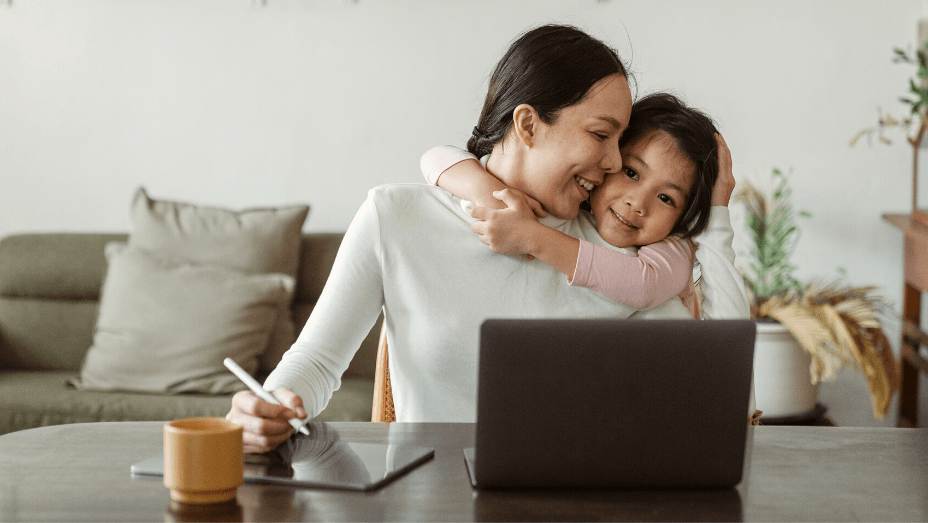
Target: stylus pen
(263,394)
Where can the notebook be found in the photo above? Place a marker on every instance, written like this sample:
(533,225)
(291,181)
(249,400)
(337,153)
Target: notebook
(596,403)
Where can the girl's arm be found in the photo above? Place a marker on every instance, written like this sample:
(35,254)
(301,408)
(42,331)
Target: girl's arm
(440,158)
(659,272)
(458,172)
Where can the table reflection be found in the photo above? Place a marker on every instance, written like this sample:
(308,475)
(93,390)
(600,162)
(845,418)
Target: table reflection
(612,505)
(326,461)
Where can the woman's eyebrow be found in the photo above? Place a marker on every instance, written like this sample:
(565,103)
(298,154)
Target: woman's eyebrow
(611,121)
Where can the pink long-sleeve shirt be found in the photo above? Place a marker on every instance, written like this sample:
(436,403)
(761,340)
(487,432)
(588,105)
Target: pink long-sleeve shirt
(659,272)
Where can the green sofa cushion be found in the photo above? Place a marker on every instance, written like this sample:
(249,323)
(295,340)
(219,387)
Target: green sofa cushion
(55,266)
(45,334)
(33,399)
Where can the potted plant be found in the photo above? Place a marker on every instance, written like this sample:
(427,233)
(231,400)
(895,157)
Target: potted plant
(915,123)
(806,332)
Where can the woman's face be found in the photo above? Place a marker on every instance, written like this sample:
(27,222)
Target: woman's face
(573,154)
(641,204)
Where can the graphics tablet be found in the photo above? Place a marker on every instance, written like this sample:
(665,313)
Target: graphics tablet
(307,462)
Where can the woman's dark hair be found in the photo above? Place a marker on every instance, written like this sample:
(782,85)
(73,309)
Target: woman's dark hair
(550,67)
(694,135)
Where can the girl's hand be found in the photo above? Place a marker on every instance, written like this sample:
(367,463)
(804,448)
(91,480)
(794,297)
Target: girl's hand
(725,185)
(509,230)
(495,203)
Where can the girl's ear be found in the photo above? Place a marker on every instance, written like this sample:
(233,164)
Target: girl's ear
(525,122)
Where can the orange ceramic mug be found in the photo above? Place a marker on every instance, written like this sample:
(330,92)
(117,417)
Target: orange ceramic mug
(202,460)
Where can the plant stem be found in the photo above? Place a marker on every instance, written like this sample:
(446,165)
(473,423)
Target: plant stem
(916,142)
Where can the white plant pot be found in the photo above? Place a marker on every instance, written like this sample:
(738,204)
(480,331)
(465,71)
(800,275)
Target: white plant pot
(782,381)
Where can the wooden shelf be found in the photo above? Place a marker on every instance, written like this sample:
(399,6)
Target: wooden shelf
(916,282)
(905,223)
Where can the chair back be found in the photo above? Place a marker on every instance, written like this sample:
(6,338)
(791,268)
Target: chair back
(383,410)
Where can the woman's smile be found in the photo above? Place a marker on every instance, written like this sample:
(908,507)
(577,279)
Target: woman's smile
(586,184)
(564,160)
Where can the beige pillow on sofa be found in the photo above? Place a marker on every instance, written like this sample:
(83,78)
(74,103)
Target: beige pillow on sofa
(252,241)
(165,326)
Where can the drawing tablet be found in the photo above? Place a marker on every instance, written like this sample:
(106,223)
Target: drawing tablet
(306,462)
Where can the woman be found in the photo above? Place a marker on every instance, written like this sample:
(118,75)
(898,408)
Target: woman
(557,103)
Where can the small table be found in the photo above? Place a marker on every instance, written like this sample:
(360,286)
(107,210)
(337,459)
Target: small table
(916,282)
(81,473)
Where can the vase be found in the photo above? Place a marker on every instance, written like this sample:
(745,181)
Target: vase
(782,380)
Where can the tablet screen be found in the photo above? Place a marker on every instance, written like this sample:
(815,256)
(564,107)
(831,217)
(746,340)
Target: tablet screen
(308,462)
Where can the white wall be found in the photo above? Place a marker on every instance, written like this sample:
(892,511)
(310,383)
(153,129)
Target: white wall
(230,103)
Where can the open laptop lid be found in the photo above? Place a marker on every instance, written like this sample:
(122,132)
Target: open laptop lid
(612,403)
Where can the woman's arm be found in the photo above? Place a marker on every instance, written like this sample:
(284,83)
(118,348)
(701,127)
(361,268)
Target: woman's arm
(721,283)
(659,272)
(311,370)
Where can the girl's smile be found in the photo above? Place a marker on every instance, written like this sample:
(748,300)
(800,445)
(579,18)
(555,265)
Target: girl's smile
(642,203)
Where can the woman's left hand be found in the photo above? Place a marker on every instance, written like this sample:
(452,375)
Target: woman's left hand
(509,230)
(725,185)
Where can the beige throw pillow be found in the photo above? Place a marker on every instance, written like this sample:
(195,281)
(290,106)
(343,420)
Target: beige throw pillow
(252,241)
(166,326)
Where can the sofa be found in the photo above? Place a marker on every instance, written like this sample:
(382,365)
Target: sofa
(50,286)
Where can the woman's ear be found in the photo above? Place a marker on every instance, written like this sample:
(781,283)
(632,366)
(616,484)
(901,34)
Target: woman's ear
(525,122)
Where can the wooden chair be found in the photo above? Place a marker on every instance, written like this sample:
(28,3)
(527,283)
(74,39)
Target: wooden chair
(383,410)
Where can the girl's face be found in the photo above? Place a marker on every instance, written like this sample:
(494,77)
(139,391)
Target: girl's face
(641,204)
(573,154)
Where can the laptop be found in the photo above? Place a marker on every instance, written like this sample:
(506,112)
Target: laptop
(606,403)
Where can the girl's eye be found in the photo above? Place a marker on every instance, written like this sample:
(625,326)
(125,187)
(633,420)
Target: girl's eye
(600,136)
(666,199)
(630,173)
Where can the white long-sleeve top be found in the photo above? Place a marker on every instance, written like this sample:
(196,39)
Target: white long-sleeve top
(410,251)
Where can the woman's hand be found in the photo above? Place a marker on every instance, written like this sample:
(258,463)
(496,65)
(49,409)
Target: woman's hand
(265,425)
(509,230)
(725,185)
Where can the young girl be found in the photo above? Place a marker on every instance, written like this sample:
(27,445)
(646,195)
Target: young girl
(657,202)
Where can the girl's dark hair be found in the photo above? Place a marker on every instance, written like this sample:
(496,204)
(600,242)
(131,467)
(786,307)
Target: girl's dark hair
(694,135)
(550,67)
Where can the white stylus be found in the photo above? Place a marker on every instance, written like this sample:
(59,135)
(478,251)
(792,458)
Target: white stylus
(263,394)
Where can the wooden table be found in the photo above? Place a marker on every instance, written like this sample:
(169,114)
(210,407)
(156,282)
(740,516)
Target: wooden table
(81,473)
(916,282)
